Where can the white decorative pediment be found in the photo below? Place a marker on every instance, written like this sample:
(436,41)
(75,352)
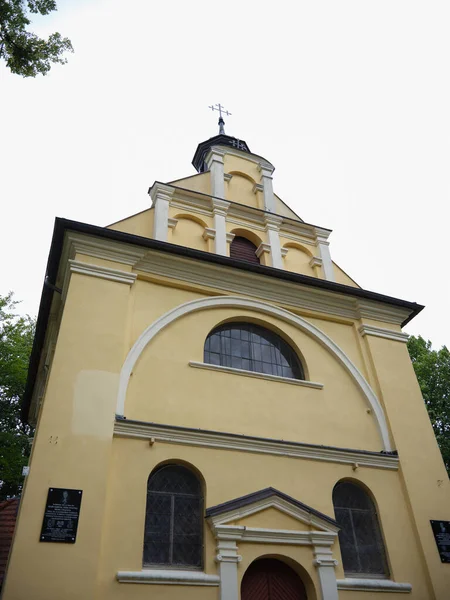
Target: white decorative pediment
(227,520)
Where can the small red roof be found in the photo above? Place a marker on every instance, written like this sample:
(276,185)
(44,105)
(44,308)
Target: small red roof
(8,516)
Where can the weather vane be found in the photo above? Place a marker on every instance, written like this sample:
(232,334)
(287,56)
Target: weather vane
(221,110)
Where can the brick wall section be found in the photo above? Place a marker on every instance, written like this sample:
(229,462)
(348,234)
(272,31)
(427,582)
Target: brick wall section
(8,516)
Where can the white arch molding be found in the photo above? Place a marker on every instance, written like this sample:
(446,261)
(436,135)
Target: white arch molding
(260,307)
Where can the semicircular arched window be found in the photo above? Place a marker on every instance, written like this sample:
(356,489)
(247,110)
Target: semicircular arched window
(174,518)
(252,348)
(360,538)
(243,249)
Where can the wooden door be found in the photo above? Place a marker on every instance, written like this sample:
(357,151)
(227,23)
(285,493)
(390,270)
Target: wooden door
(270,579)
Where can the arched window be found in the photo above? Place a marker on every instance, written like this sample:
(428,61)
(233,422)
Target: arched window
(243,249)
(174,518)
(362,546)
(252,348)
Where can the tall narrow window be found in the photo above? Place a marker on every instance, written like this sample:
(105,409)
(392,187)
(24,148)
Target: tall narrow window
(174,518)
(360,537)
(252,348)
(243,249)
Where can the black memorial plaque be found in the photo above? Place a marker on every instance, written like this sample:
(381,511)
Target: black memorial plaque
(62,512)
(441,530)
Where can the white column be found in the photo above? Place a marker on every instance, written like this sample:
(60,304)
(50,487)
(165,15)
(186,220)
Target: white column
(266,181)
(273,231)
(161,196)
(220,208)
(228,560)
(324,249)
(214,162)
(325,564)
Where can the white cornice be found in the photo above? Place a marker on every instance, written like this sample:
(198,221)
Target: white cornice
(371,309)
(262,287)
(242,443)
(300,382)
(228,176)
(388,334)
(197,202)
(126,254)
(172,223)
(76,266)
(258,187)
(231,280)
(373,585)
(168,577)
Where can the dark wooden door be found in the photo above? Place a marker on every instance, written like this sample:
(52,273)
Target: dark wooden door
(270,579)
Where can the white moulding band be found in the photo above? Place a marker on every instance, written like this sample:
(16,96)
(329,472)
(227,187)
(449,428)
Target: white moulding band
(388,334)
(373,585)
(82,268)
(168,577)
(204,438)
(245,373)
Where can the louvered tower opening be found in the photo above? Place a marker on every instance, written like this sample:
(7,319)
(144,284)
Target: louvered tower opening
(243,249)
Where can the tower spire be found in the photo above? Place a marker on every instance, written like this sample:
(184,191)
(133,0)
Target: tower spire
(221,110)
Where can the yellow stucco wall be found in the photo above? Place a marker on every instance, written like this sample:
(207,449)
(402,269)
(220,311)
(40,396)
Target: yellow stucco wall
(140,224)
(201,182)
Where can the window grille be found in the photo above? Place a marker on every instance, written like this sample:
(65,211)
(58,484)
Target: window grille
(174,518)
(360,539)
(252,348)
(243,249)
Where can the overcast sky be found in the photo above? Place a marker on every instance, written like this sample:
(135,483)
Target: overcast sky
(350,100)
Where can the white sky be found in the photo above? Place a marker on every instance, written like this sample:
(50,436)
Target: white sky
(350,100)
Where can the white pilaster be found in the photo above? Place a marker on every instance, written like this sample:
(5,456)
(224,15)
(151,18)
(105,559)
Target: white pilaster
(325,564)
(324,249)
(273,231)
(214,162)
(220,208)
(161,196)
(266,181)
(228,560)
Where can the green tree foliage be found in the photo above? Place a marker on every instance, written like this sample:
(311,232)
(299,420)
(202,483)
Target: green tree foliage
(25,53)
(16,339)
(432,369)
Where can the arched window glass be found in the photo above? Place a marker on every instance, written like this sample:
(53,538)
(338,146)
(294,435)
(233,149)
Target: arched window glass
(252,348)
(174,518)
(243,249)
(360,537)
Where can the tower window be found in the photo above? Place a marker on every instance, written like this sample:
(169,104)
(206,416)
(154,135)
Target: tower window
(174,518)
(252,348)
(360,539)
(243,249)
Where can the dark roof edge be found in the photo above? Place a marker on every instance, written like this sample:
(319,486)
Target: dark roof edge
(63,225)
(262,495)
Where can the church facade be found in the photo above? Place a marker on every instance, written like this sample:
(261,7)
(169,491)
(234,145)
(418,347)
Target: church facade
(222,412)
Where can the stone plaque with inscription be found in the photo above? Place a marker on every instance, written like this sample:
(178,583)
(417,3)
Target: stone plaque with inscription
(441,530)
(61,515)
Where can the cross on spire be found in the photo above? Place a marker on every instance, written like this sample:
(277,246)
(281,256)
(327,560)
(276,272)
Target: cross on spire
(221,110)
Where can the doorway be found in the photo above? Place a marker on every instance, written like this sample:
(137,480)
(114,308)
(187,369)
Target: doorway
(271,579)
